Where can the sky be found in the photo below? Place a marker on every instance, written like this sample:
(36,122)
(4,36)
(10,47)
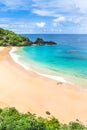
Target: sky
(44,16)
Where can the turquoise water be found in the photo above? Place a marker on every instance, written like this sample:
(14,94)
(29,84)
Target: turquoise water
(67,59)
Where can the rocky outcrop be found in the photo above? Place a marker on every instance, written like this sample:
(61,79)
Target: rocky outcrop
(50,43)
(40,41)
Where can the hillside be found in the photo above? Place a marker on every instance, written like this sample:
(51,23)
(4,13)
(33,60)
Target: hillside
(9,38)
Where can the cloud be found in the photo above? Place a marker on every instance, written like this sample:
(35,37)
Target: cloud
(55,7)
(18,26)
(22,26)
(60,19)
(82,5)
(14,5)
(42,12)
(40,24)
(69,19)
(47,8)
(66,15)
(3,25)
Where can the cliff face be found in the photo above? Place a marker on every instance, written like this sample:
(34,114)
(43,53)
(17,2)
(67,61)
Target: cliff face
(9,38)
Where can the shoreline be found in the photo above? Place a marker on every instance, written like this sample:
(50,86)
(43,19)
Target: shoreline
(72,80)
(29,92)
(15,58)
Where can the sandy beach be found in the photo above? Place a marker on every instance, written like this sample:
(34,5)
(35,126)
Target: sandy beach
(29,92)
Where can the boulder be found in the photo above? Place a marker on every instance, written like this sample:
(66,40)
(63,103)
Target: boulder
(40,41)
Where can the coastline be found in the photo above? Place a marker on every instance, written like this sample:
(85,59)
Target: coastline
(76,80)
(28,91)
(16,59)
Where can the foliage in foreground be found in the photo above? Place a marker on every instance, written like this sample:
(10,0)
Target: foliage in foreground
(11,119)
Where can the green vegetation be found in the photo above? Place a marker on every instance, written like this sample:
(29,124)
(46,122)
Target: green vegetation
(9,38)
(11,119)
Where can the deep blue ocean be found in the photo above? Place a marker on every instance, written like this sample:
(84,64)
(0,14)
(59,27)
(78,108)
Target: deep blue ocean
(67,59)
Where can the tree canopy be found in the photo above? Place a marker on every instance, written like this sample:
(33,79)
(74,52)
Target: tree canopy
(9,38)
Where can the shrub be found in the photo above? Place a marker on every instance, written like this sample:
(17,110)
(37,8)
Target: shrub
(11,119)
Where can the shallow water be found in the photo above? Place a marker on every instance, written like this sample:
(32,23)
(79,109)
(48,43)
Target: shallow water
(68,59)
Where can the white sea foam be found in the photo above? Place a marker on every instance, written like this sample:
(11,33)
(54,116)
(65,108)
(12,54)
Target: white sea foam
(16,57)
(53,77)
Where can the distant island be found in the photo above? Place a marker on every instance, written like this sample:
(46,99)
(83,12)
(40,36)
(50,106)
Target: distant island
(9,38)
